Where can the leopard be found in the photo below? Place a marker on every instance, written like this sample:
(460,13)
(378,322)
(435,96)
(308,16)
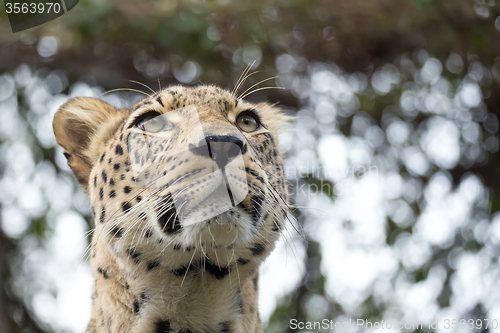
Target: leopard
(188,195)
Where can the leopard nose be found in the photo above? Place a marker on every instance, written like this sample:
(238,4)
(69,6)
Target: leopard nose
(222,148)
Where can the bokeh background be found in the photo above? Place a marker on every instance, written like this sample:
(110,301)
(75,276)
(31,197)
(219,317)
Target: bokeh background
(393,154)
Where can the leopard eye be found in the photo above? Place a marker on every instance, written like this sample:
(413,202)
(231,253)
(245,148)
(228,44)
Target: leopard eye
(154,123)
(248,122)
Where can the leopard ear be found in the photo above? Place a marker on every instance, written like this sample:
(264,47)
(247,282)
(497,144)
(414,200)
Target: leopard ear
(81,126)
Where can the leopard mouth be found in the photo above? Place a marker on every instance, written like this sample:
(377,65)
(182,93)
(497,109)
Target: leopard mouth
(168,219)
(194,209)
(208,195)
(174,214)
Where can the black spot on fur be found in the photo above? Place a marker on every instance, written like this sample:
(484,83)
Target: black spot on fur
(117,232)
(162,326)
(103,215)
(242,206)
(119,150)
(127,286)
(224,328)
(265,216)
(112,182)
(148,234)
(135,255)
(257,249)
(167,218)
(116,166)
(101,193)
(158,99)
(254,174)
(104,177)
(137,307)
(177,246)
(226,106)
(257,207)
(276,227)
(126,206)
(217,272)
(169,223)
(127,189)
(180,271)
(95,181)
(153,265)
(112,194)
(102,157)
(104,272)
(242,261)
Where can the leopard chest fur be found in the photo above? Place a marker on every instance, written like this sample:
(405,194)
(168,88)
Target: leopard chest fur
(188,196)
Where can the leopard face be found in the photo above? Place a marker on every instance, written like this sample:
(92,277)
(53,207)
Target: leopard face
(186,179)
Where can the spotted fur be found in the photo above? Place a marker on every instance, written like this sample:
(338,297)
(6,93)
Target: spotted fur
(153,273)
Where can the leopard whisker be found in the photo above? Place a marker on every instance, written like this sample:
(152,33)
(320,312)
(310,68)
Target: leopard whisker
(290,244)
(263,88)
(165,208)
(144,85)
(175,236)
(86,252)
(256,84)
(241,78)
(233,256)
(123,89)
(215,252)
(187,269)
(278,197)
(244,80)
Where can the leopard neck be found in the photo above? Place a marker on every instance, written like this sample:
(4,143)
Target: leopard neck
(196,298)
